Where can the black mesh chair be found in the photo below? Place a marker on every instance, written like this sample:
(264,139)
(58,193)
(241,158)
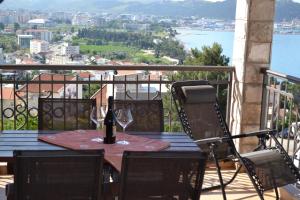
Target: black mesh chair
(201,118)
(58,175)
(162,175)
(147,115)
(65,114)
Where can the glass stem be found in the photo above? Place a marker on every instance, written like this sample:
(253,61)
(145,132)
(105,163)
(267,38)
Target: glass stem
(124,128)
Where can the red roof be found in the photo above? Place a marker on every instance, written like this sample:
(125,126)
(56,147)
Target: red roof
(85,75)
(28,61)
(35,88)
(8,93)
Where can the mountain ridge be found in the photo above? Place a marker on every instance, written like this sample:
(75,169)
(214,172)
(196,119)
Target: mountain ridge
(285,9)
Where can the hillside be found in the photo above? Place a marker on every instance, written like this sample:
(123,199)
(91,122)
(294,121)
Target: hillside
(285,9)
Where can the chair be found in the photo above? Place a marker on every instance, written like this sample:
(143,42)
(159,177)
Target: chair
(65,114)
(58,175)
(201,118)
(147,115)
(162,175)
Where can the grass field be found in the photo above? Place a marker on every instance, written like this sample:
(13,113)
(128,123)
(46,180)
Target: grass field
(149,59)
(130,53)
(103,49)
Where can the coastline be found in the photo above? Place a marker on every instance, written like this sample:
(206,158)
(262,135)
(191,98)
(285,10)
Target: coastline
(276,32)
(284,47)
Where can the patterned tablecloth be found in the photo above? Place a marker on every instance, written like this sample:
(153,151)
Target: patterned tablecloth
(93,140)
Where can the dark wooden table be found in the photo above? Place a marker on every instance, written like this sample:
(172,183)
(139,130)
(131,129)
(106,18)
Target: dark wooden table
(27,140)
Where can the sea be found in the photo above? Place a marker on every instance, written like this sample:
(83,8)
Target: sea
(285,50)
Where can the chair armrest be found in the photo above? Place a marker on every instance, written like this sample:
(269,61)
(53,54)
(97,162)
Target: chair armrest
(211,140)
(260,133)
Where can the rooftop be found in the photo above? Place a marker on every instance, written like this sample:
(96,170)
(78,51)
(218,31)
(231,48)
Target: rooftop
(38,21)
(35,88)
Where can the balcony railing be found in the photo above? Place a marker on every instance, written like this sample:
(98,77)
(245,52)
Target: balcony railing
(22,85)
(280,110)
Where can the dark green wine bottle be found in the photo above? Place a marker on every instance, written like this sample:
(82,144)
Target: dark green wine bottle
(109,123)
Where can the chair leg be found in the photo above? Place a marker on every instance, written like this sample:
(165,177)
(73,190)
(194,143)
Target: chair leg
(277,193)
(219,171)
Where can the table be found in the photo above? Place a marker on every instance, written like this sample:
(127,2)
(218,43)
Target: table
(27,140)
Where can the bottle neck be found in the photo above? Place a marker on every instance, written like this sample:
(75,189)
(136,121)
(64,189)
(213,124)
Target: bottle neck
(110,103)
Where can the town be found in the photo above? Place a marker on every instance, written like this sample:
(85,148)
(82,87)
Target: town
(36,37)
(168,78)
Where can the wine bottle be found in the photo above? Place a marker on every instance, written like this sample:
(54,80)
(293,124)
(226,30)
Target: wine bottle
(110,124)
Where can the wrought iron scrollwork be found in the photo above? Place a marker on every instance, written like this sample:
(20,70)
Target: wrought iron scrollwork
(19,112)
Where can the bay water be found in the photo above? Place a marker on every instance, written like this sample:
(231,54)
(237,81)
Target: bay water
(285,50)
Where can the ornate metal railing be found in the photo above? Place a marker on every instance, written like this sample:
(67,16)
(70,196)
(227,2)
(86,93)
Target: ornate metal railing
(22,85)
(280,110)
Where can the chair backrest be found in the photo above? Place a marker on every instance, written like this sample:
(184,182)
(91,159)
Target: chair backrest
(162,175)
(65,114)
(58,175)
(199,112)
(147,115)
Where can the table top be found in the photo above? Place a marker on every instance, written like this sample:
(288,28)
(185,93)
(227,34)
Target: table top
(28,140)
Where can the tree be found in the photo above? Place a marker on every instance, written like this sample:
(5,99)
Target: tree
(209,56)
(16,26)
(2,26)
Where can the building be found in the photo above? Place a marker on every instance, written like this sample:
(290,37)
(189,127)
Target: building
(40,34)
(82,19)
(63,16)
(66,60)
(7,96)
(38,46)
(39,22)
(127,17)
(23,17)
(68,50)
(57,90)
(1,56)
(24,41)
(8,17)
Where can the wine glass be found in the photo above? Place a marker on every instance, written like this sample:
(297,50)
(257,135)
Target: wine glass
(124,118)
(98,120)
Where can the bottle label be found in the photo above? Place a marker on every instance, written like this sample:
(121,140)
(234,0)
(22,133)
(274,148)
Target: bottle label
(104,131)
(114,131)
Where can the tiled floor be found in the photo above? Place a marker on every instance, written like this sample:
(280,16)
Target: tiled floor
(240,189)
(3,181)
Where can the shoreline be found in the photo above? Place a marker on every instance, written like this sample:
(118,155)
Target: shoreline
(225,30)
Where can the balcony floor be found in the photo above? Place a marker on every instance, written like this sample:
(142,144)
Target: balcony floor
(4,179)
(240,189)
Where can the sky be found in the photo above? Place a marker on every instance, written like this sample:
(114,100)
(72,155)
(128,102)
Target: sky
(298,1)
